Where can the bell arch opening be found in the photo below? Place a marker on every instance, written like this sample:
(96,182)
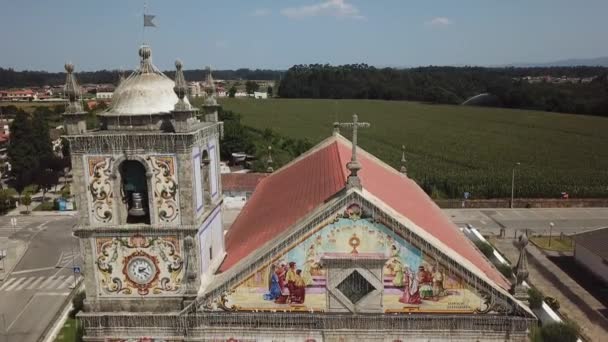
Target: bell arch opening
(134,188)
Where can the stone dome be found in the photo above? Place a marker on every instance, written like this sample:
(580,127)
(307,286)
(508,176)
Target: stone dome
(146,91)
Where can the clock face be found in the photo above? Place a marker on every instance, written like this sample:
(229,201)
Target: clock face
(141,270)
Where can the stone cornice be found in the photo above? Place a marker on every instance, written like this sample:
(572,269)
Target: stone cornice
(320,321)
(112,142)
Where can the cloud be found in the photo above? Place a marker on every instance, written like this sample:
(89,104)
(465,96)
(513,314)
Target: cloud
(333,8)
(439,22)
(260,12)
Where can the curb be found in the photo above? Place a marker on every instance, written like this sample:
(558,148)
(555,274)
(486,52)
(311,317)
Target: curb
(61,313)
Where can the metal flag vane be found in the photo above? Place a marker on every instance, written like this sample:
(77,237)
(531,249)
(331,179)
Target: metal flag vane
(353,165)
(148,22)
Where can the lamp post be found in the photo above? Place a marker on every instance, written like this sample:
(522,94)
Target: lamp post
(551,225)
(513,183)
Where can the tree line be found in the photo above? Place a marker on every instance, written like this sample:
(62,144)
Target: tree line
(452,85)
(10,78)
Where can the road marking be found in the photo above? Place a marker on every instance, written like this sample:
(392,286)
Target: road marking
(35,283)
(6,283)
(35,270)
(55,282)
(45,283)
(26,282)
(67,282)
(62,294)
(15,284)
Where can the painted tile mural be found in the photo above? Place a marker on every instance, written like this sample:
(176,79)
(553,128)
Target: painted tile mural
(100,196)
(166,196)
(139,266)
(295,279)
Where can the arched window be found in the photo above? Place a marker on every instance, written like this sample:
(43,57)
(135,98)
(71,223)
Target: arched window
(205,161)
(135,191)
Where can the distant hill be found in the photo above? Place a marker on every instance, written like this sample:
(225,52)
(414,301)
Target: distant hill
(599,61)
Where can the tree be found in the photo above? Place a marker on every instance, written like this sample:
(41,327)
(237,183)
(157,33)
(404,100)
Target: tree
(269,91)
(22,153)
(46,179)
(251,87)
(232,91)
(41,137)
(26,200)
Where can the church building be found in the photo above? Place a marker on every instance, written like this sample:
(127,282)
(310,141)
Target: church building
(334,246)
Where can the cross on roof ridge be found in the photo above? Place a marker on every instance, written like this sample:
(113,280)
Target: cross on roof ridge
(353,165)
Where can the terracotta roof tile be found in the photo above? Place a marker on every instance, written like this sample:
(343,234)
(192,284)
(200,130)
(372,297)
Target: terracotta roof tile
(406,197)
(281,199)
(241,181)
(292,192)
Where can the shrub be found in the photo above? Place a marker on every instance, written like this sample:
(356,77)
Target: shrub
(535,298)
(485,248)
(77,303)
(552,302)
(557,332)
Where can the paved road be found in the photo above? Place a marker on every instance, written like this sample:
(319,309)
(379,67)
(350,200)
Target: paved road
(33,293)
(566,220)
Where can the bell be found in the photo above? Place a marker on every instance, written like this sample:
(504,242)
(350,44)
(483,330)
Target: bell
(137,209)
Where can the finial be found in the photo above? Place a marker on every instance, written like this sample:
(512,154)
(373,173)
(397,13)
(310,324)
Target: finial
(336,128)
(403,167)
(521,269)
(353,165)
(211,93)
(72,90)
(145,52)
(180,87)
(269,161)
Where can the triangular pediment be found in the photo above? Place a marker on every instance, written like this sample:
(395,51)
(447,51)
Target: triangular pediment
(355,254)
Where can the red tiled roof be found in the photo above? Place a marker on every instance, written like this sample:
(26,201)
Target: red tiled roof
(286,196)
(241,181)
(406,197)
(281,199)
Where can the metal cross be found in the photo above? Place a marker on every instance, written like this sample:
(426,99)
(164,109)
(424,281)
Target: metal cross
(353,165)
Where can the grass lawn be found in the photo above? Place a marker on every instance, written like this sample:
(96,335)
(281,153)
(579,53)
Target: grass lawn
(557,244)
(457,148)
(68,331)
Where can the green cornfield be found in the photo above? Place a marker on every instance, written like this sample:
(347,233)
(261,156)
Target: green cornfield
(453,149)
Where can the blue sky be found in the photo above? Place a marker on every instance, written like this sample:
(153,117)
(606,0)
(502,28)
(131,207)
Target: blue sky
(43,34)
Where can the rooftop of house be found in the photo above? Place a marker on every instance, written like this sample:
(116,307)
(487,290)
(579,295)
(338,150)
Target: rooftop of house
(595,241)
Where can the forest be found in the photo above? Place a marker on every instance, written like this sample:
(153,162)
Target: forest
(10,78)
(452,85)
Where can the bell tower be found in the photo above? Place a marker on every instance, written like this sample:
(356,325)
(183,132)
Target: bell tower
(148,193)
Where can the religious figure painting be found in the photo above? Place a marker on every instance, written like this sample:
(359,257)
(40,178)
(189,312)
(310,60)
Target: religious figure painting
(295,279)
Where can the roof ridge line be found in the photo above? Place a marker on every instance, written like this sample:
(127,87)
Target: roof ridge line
(360,149)
(322,144)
